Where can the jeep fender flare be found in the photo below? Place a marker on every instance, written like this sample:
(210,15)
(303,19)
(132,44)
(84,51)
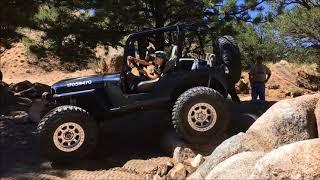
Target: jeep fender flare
(210,80)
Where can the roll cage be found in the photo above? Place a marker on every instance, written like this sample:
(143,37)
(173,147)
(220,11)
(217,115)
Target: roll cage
(180,30)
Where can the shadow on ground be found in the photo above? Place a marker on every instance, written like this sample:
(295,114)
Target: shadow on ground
(121,140)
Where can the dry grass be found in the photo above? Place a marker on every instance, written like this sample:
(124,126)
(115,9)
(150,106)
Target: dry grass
(309,68)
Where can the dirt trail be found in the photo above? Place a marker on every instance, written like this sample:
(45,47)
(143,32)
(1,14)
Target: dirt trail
(116,158)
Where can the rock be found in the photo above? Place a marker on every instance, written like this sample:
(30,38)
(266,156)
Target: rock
(21,86)
(308,81)
(181,150)
(29,93)
(287,94)
(41,88)
(23,101)
(273,86)
(299,160)
(150,166)
(187,165)
(19,116)
(197,161)
(177,172)
(286,122)
(165,168)
(180,154)
(192,164)
(35,91)
(228,148)
(297,93)
(239,166)
(317,114)
(157,177)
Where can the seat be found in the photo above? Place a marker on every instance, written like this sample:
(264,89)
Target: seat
(146,86)
(172,61)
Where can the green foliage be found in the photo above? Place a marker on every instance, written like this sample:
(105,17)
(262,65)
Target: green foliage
(300,31)
(15,13)
(33,47)
(73,35)
(301,24)
(46,15)
(257,41)
(27,42)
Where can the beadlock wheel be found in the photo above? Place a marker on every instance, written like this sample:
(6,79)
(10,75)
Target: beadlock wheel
(200,114)
(68,137)
(202,117)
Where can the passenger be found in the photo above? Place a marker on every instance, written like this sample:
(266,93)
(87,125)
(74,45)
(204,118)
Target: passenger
(259,75)
(159,60)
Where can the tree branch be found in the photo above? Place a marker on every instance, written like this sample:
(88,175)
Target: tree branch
(246,9)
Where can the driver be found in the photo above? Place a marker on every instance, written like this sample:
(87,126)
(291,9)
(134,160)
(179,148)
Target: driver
(159,60)
(146,61)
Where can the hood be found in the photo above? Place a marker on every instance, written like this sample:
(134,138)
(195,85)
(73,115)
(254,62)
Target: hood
(83,83)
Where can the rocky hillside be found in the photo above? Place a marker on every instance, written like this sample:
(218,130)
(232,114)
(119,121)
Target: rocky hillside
(287,80)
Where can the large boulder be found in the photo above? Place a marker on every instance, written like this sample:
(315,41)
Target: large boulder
(285,122)
(234,145)
(239,166)
(299,160)
(317,114)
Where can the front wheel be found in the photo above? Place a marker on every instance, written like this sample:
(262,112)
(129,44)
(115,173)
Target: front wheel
(67,133)
(200,114)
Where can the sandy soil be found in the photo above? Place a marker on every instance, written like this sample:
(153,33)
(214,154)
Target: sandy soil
(15,68)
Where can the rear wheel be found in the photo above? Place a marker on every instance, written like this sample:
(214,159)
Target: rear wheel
(199,114)
(67,133)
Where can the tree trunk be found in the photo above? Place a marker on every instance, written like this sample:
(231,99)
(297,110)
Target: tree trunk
(158,11)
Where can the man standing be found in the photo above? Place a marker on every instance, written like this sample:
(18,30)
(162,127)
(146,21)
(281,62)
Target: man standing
(259,75)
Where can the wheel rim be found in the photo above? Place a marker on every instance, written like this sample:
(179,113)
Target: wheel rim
(68,137)
(202,117)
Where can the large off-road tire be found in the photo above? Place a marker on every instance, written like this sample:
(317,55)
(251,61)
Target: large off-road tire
(200,114)
(67,133)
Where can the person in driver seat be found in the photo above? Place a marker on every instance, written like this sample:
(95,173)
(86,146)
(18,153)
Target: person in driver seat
(159,60)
